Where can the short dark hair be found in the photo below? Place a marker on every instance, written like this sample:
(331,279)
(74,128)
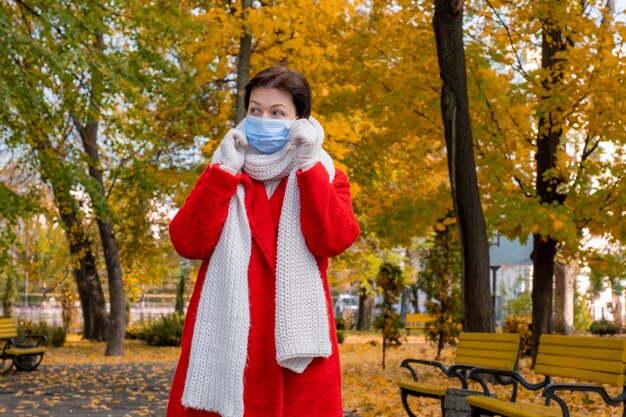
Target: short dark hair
(287,80)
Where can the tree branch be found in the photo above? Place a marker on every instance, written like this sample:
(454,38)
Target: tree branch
(508,32)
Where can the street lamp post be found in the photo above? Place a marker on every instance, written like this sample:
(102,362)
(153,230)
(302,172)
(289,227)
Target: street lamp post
(494,269)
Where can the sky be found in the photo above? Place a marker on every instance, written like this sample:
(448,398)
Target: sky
(620,7)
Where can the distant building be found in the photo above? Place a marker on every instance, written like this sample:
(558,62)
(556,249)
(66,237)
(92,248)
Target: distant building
(514,271)
(511,267)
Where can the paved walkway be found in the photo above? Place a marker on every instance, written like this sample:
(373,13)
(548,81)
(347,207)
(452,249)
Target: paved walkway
(106,390)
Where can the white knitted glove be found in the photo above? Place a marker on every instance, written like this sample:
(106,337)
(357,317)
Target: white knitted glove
(307,139)
(233,149)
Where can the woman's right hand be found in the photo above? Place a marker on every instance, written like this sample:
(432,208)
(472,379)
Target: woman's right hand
(233,149)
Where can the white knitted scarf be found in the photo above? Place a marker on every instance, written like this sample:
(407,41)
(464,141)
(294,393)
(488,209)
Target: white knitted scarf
(220,337)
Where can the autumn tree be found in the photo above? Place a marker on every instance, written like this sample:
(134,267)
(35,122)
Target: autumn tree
(358,264)
(62,106)
(29,135)
(440,281)
(551,145)
(390,282)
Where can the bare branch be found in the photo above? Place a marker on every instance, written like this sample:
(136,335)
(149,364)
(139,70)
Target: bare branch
(510,36)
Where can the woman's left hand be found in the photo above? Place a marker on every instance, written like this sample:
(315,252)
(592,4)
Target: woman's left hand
(306,138)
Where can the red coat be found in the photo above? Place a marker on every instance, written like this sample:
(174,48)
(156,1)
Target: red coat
(329,227)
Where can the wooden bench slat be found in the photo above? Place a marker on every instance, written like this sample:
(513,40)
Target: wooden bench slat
(485,362)
(481,345)
(8,328)
(566,362)
(483,353)
(418,316)
(582,341)
(606,345)
(578,352)
(427,389)
(581,374)
(415,326)
(417,320)
(25,351)
(490,337)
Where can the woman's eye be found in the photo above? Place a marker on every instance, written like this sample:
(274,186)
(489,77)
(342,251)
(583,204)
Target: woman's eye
(279,113)
(254,110)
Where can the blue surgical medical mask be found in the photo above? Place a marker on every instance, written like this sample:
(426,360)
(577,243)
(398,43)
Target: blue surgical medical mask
(266,135)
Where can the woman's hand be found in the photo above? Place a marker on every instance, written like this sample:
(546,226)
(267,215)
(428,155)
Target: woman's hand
(233,149)
(306,138)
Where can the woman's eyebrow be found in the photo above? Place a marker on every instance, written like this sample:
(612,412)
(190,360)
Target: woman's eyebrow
(273,105)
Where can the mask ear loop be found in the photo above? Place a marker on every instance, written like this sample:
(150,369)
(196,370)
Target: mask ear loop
(290,123)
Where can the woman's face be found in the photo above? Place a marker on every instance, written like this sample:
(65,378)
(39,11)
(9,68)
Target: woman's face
(271,102)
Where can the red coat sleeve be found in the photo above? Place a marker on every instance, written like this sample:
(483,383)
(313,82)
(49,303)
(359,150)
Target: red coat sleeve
(328,222)
(196,228)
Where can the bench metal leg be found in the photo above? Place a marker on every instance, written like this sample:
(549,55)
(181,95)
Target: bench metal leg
(404,394)
(478,412)
(27,362)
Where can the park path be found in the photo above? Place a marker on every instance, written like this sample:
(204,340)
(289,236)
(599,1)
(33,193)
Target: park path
(104,390)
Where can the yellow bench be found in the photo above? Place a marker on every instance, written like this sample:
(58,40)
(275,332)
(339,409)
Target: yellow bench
(417,320)
(474,349)
(25,353)
(592,359)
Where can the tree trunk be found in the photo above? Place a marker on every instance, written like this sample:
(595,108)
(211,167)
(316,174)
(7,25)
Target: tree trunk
(414,261)
(243,63)
(609,11)
(440,344)
(95,317)
(365,310)
(448,25)
(67,305)
(384,348)
(617,292)
(89,136)
(84,270)
(117,297)
(547,185)
(405,301)
(8,298)
(180,288)
(564,281)
(415,300)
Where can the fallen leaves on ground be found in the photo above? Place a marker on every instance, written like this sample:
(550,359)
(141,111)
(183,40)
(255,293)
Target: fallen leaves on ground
(87,389)
(79,380)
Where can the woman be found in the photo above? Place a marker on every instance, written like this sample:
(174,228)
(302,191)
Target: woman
(265,216)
